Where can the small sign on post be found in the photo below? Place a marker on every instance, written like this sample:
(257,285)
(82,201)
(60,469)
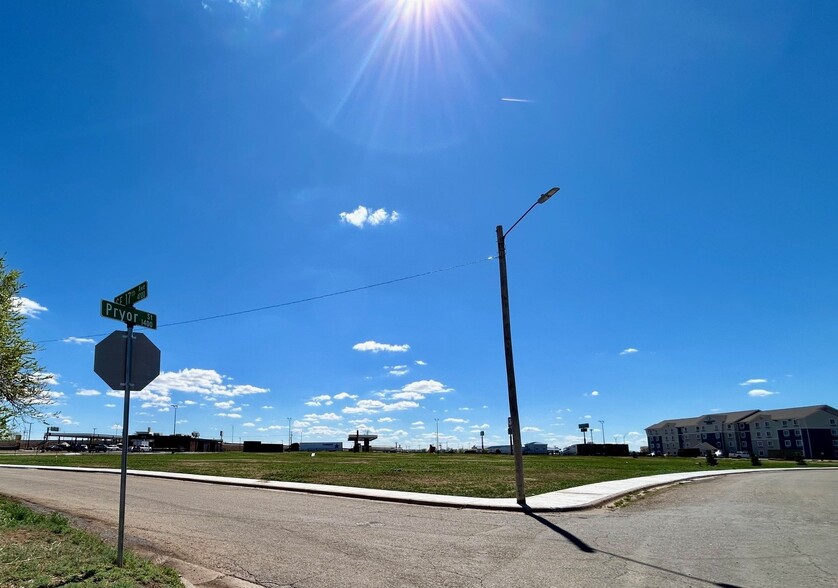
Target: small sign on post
(129,315)
(135,294)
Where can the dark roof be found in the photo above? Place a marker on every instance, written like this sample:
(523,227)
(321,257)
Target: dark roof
(793,413)
(746,416)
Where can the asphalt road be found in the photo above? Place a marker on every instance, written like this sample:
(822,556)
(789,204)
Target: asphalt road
(760,530)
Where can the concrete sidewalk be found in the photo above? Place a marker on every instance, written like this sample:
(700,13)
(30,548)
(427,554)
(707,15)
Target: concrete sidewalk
(580,497)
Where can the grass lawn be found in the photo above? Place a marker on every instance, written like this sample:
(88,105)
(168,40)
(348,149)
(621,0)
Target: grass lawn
(460,474)
(44,550)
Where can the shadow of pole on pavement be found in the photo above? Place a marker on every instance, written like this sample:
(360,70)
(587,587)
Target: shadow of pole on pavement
(582,546)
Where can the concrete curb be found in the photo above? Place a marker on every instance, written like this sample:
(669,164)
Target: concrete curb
(570,499)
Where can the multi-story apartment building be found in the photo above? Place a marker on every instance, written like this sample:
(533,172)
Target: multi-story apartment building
(809,430)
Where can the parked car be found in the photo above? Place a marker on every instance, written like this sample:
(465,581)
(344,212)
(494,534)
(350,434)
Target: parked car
(740,454)
(63,446)
(104,447)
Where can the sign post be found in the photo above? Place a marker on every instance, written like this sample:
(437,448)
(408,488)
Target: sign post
(584,428)
(108,362)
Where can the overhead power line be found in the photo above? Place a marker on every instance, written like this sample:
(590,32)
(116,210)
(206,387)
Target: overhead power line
(299,301)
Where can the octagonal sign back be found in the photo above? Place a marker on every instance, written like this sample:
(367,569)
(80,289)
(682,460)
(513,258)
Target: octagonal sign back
(109,361)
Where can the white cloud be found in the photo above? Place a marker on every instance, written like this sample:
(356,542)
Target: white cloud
(452,420)
(27,307)
(408,396)
(375,347)
(426,387)
(208,383)
(399,370)
(386,420)
(320,400)
(225,405)
(323,431)
(760,393)
(47,378)
(416,424)
(363,216)
(523,100)
(587,416)
(344,396)
(530,430)
(78,341)
(110,405)
(328,416)
(628,351)
(267,407)
(374,406)
(231,415)
(420,362)
(189,402)
(594,393)
(88,393)
(753,381)
(248,424)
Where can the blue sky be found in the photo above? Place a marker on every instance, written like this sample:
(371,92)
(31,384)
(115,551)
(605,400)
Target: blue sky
(255,155)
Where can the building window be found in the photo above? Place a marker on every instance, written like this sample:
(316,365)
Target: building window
(785,423)
(799,443)
(771,444)
(729,435)
(767,425)
(756,425)
(759,443)
(788,443)
(716,428)
(742,435)
(835,442)
(835,432)
(795,422)
(696,429)
(832,422)
(785,432)
(768,433)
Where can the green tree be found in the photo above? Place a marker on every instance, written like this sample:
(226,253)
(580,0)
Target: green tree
(23,382)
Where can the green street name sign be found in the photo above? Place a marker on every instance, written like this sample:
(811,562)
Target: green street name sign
(133,295)
(129,315)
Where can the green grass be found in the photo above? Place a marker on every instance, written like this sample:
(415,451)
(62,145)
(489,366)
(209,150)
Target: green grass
(490,476)
(40,551)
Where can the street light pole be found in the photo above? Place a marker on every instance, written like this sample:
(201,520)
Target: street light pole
(602,428)
(174,423)
(520,496)
(289,431)
(437,435)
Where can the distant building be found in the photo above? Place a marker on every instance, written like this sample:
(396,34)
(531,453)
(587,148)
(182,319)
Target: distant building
(326,446)
(527,449)
(810,430)
(535,448)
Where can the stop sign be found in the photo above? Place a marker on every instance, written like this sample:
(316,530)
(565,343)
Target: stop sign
(109,361)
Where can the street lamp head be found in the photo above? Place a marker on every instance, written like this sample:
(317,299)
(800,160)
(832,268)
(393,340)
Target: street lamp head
(546,196)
